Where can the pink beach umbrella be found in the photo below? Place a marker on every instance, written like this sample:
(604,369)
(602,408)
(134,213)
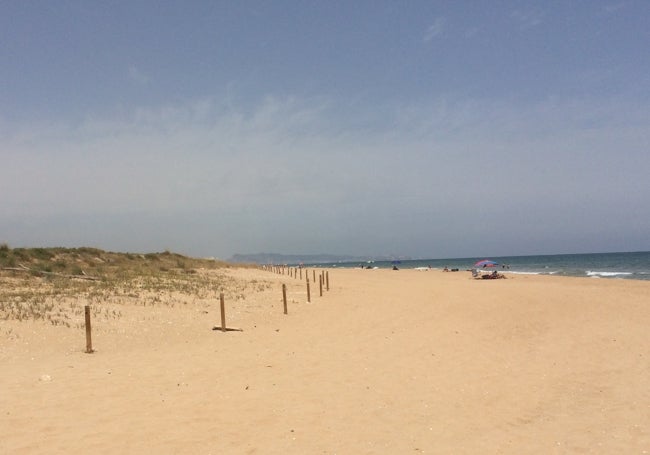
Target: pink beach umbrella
(485,263)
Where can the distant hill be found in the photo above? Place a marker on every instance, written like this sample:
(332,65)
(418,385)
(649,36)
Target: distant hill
(275,258)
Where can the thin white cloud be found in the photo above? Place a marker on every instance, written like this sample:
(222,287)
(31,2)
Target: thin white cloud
(436,29)
(613,7)
(527,19)
(471,32)
(136,75)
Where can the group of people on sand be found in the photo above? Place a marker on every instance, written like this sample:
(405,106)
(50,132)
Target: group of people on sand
(487,276)
(475,272)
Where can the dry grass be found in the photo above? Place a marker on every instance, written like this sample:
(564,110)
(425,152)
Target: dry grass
(52,285)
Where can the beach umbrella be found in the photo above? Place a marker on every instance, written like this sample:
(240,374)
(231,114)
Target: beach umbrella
(485,263)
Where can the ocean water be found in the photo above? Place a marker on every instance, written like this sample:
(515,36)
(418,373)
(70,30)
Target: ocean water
(632,266)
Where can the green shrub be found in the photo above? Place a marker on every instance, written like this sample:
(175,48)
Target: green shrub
(42,253)
(8,261)
(20,253)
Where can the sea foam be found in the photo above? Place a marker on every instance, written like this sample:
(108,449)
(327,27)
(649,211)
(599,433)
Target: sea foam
(606,274)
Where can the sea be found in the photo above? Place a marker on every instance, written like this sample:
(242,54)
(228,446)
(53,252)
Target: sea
(627,266)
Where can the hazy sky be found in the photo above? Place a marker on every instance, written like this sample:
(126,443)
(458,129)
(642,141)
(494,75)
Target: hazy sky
(423,128)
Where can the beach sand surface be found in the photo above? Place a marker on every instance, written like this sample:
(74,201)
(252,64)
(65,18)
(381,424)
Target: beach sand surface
(385,362)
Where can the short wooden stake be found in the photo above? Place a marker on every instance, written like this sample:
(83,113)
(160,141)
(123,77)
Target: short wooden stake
(223,313)
(284,297)
(314,273)
(320,284)
(308,293)
(89,341)
(327,280)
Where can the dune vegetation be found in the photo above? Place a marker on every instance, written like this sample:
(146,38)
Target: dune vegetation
(53,284)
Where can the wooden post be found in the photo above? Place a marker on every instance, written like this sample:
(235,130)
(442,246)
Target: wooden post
(314,273)
(223,313)
(301,273)
(89,342)
(308,293)
(327,280)
(284,297)
(320,284)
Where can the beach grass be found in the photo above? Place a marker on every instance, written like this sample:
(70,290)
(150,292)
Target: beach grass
(53,284)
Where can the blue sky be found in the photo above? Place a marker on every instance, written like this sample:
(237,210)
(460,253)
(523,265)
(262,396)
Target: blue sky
(428,129)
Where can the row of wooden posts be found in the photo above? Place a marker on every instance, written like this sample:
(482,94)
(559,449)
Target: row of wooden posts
(296,272)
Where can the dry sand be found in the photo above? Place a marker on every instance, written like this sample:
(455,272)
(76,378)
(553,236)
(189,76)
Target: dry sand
(386,362)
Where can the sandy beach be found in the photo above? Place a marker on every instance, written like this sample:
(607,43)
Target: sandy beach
(385,362)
